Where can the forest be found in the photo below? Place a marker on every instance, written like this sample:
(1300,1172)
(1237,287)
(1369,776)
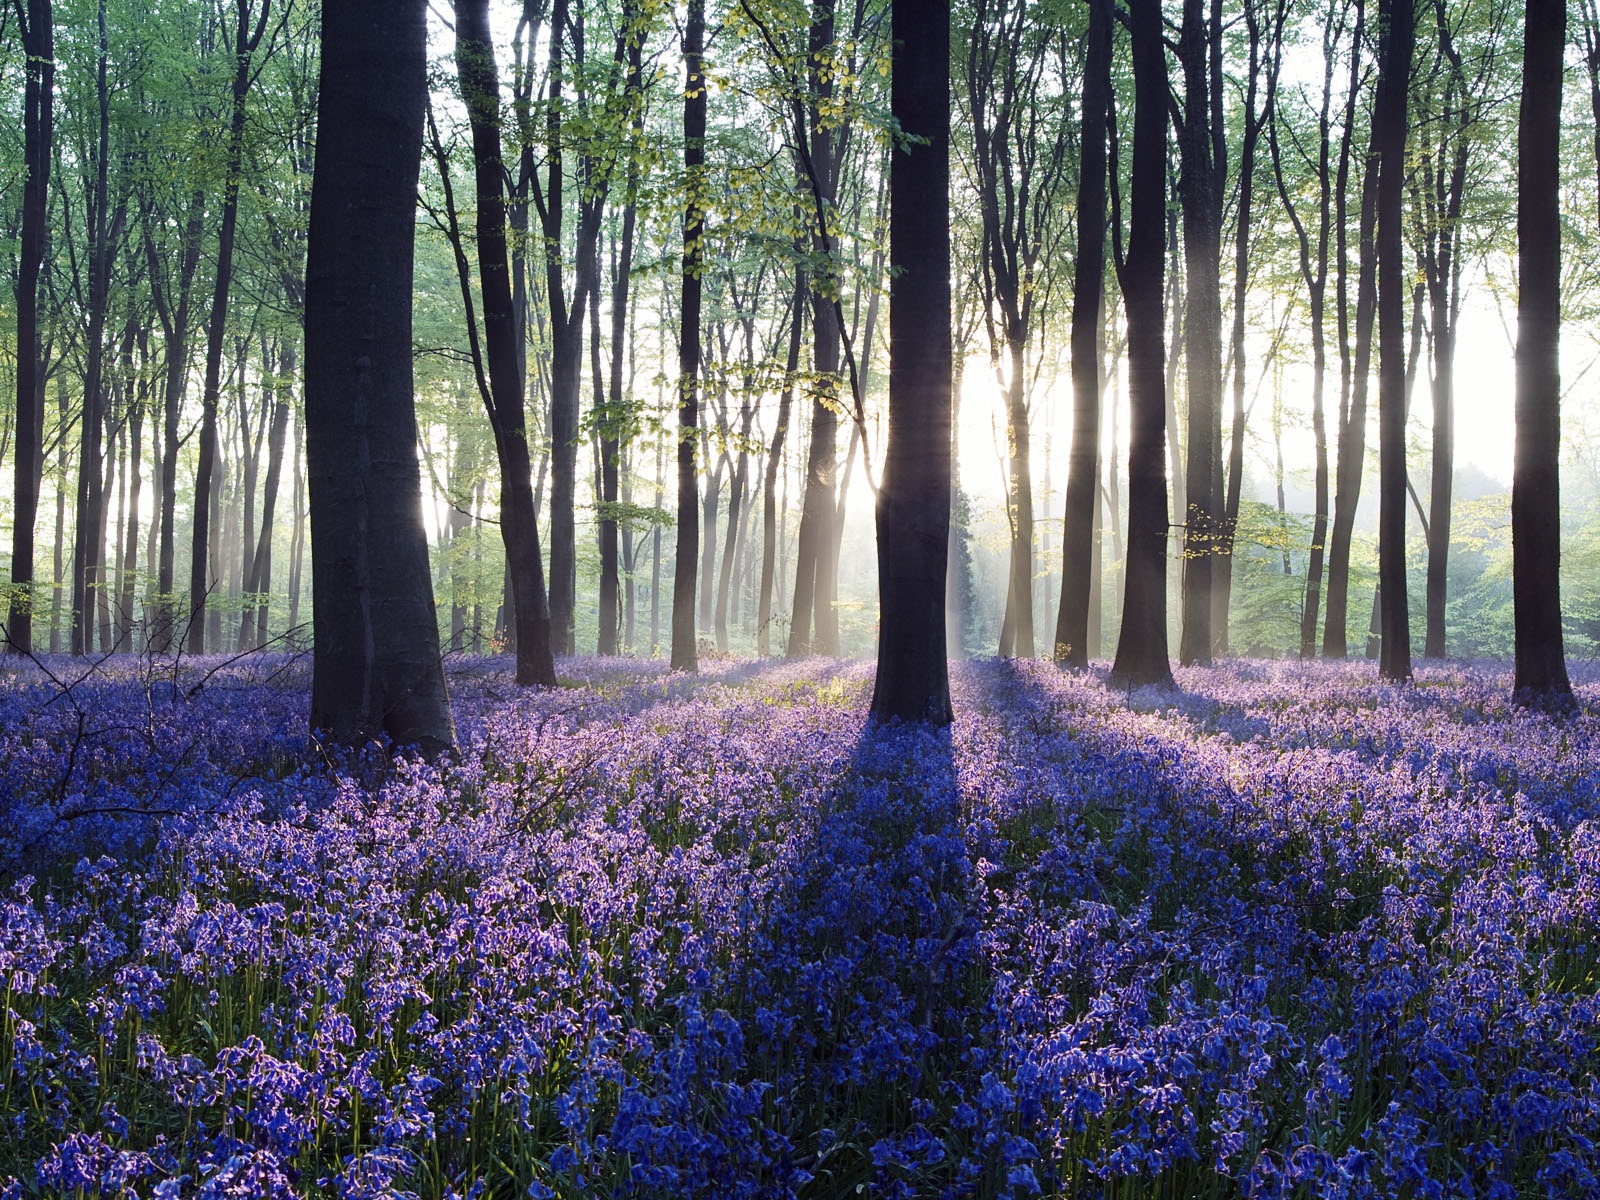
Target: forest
(800,598)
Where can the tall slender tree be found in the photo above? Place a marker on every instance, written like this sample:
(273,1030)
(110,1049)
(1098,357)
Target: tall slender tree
(1203,153)
(685,653)
(1142,644)
(1088,293)
(376,666)
(913,513)
(36,24)
(1389,129)
(247,35)
(1541,668)
(503,395)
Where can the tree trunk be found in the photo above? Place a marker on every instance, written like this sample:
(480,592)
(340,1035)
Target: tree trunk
(1353,374)
(88,550)
(174,314)
(1202,149)
(1389,126)
(1541,670)
(769,488)
(1314,274)
(685,653)
(245,41)
(38,129)
(1254,121)
(376,666)
(258,583)
(480,84)
(913,514)
(1088,288)
(616,415)
(1142,644)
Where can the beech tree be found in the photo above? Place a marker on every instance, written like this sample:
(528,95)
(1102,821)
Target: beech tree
(501,385)
(685,652)
(913,515)
(1142,644)
(376,667)
(36,26)
(1541,668)
(1389,133)
(1088,290)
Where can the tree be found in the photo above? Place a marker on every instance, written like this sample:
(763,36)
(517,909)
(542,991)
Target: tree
(37,28)
(1020,135)
(1450,110)
(1541,669)
(1256,117)
(1354,361)
(685,656)
(1142,644)
(503,395)
(913,514)
(246,39)
(1088,293)
(1203,152)
(1314,273)
(1389,130)
(814,624)
(376,667)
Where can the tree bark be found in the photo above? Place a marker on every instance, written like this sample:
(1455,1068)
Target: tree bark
(615,418)
(913,513)
(769,487)
(258,582)
(245,41)
(38,135)
(1088,291)
(685,652)
(376,667)
(105,232)
(1389,126)
(1541,670)
(1354,369)
(1203,152)
(1142,644)
(1233,486)
(480,87)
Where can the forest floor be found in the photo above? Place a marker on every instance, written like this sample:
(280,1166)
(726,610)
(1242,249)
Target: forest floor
(1284,931)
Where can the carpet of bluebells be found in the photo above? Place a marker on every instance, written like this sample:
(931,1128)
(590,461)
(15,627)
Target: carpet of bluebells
(1286,931)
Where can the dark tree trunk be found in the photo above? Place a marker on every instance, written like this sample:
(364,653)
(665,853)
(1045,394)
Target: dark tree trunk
(1142,644)
(105,230)
(1313,261)
(1389,126)
(245,41)
(1088,289)
(58,609)
(685,654)
(1203,151)
(376,667)
(913,515)
(814,625)
(1233,485)
(741,478)
(769,488)
(297,539)
(1354,369)
(128,566)
(616,416)
(38,125)
(258,581)
(480,85)
(1541,673)
(173,310)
